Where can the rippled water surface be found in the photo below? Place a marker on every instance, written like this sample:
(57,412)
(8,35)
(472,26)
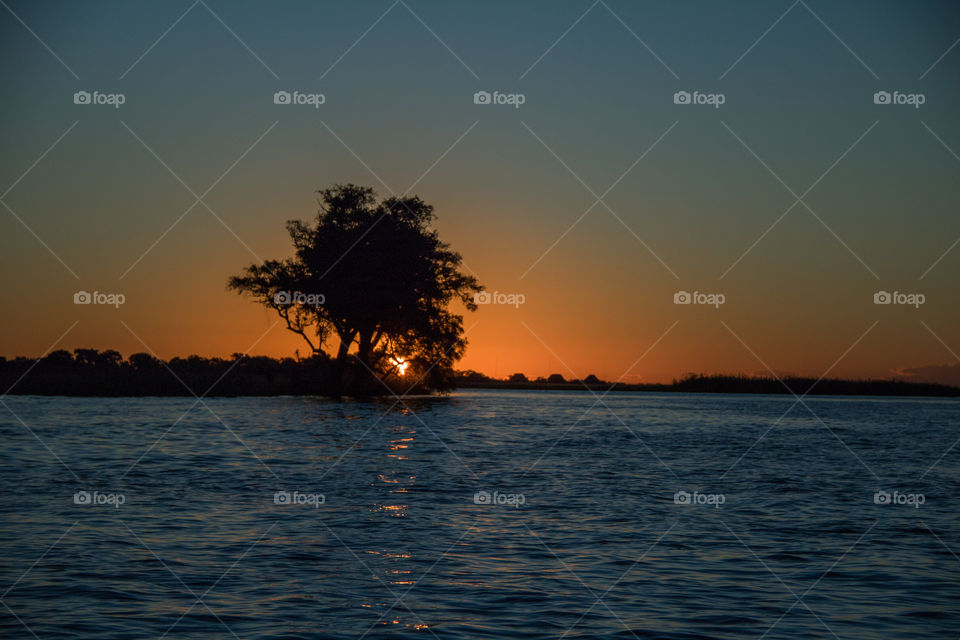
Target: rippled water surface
(778,531)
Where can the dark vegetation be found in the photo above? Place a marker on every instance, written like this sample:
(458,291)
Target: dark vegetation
(88,372)
(700,383)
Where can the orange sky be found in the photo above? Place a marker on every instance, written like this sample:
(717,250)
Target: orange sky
(598,199)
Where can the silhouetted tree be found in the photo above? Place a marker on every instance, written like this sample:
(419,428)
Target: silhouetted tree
(144,362)
(86,357)
(110,359)
(59,357)
(373,276)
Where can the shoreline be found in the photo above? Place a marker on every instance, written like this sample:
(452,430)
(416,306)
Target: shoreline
(752,386)
(845,388)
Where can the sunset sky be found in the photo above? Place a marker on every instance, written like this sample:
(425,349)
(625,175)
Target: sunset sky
(878,183)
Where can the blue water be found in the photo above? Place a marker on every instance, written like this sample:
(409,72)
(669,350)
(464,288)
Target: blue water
(781,536)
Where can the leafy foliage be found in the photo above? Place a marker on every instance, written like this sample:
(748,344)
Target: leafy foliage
(385,278)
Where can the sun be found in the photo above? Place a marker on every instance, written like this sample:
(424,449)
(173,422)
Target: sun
(401,366)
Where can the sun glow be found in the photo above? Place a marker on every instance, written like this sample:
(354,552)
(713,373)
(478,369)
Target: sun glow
(402,366)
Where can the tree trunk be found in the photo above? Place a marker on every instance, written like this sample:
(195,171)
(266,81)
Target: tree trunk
(346,339)
(363,351)
(344,348)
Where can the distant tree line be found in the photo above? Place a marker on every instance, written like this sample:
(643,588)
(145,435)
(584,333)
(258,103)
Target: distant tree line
(89,372)
(721,383)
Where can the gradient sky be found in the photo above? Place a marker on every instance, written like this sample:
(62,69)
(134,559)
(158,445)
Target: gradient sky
(801,301)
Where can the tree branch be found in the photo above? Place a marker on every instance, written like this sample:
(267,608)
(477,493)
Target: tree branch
(284,312)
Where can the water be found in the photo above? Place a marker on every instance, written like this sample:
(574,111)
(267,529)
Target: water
(783,538)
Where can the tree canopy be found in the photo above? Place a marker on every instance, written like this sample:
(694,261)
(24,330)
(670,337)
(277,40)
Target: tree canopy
(373,278)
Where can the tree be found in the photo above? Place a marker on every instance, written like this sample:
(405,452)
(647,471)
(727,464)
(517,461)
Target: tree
(58,358)
(144,362)
(375,278)
(86,357)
